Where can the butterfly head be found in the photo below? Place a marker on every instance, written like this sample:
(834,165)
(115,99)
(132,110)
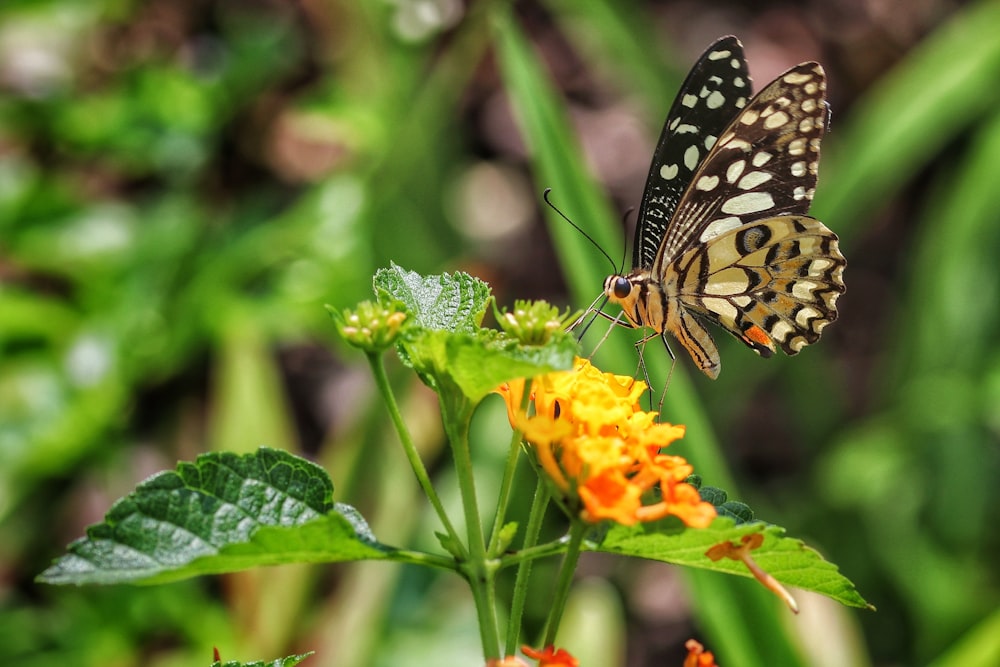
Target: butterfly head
(618,288)
(627,291)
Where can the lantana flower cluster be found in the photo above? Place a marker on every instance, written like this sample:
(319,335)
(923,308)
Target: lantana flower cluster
(595,442)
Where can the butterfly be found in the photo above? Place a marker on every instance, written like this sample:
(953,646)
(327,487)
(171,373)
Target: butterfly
(723,233)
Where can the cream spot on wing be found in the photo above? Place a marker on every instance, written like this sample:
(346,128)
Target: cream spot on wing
(719,227)
(689,101)
(739,82)
(797,146)
(668,172)
(809,105)
(806,125)
(707,183)
(805,315)
(715,100)
(753,179)
(691,157)
(796,78)
(798,344)
(723,308)
(818,266)
(741,102)
(735,63)
(803,289)
(761,158)
(742,301)
(811,88)
(734,170)
(749,117)
(776,120)
(780,331)
(686,128)
(710,141)
(798,169)
(751,202)
(719,55)
(728,281)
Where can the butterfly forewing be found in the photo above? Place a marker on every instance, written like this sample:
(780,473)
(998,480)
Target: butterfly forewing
(716,88)
(764,164)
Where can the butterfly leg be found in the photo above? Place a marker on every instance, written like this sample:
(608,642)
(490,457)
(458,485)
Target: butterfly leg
(615,321)
(670,374)
(640,347)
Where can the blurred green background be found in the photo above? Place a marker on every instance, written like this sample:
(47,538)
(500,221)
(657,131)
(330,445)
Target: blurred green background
(183,185)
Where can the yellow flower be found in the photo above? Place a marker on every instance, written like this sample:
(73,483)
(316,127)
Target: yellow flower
(599,447)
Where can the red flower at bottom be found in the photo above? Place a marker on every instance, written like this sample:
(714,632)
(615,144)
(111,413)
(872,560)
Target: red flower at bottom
(550,657)
(698,656)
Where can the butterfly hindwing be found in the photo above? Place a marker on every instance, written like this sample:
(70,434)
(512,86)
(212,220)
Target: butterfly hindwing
(715,89)
(770,282)
(764,164)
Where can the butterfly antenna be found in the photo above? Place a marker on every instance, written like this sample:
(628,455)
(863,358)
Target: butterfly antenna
(545,196)
(625,238)
(598,312)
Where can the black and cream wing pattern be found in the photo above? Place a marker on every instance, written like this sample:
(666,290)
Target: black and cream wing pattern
(738,248)
(713,92)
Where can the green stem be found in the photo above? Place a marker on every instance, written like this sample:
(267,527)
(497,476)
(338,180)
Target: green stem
(507,485)
(531,532)
(412,455)
(553,548)
(424,558)
(577,530)
(479,570)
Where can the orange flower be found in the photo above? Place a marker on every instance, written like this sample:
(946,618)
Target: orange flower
(742,553)
(550,657)
(595,442)
(698,656)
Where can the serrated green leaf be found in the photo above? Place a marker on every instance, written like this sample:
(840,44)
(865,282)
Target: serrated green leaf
(733,509)
(476,364)
(737,511)
(290,661)
(786,559)
(222,513)
(450,301)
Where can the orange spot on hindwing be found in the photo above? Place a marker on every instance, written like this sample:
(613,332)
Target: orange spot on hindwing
(759,341)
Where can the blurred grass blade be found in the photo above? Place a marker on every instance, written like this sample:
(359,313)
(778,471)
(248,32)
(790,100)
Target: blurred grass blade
(956,250)
(558,164)
(618,39)
(941,87)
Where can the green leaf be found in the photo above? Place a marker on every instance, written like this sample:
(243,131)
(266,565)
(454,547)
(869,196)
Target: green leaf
(290,661)
(786,559)
(222,513)
(476,364)
(451,302)
(734,509)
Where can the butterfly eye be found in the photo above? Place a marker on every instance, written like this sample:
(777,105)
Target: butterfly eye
(623,287)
